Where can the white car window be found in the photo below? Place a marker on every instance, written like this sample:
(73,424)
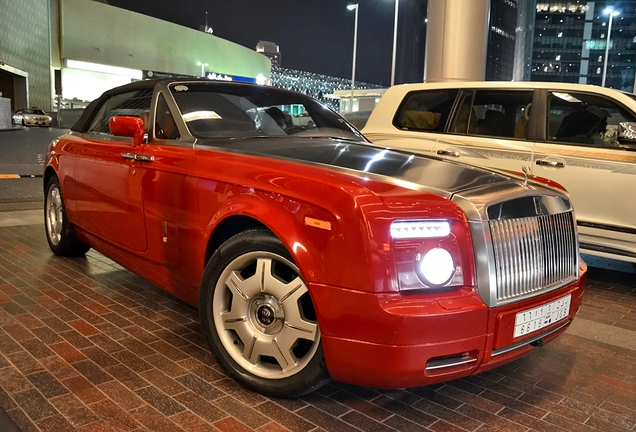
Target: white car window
(585,119)
(494,113)
(425,110)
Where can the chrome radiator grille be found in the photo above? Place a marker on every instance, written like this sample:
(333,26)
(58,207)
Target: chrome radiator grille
(533,254)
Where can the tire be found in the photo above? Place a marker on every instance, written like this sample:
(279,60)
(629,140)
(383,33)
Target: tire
(60,233)
(258,317)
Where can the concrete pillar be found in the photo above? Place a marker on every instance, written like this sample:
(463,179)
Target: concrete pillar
(457,40)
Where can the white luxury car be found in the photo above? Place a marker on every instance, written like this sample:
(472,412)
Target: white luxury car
(31,117)
(581,136)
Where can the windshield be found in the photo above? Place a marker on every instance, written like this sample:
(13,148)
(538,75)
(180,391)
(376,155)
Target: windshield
(236,111)
(34,111)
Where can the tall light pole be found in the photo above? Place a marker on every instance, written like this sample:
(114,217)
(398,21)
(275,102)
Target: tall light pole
(612,13)
(355,45)
(395,26)
(203,65)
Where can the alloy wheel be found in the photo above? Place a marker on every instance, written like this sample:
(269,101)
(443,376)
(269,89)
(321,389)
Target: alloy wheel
(264,316)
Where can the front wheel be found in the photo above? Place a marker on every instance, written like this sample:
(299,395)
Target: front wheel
(60,233)
(259,319)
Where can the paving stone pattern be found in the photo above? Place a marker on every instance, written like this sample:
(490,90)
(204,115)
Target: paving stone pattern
(86,345)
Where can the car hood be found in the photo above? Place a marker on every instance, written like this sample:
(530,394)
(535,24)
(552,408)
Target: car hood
(365,160)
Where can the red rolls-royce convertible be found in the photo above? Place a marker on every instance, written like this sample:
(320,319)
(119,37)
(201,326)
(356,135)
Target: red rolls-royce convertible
(309,252)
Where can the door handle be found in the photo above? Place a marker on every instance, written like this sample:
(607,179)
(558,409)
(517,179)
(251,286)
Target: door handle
(138,157)
(553,164)
(448,153)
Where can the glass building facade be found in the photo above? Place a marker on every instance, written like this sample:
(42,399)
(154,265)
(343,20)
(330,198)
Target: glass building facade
(570,41)
(501,40)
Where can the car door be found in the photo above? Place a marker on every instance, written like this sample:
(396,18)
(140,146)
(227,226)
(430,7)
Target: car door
(491,128)
(107,177)
(169,207)
(581,151)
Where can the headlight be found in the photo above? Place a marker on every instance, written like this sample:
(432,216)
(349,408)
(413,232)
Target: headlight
(427,254)
(435,267)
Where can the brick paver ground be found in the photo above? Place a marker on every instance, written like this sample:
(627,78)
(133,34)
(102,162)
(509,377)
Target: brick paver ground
(86,345)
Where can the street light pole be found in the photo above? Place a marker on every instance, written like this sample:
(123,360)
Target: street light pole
(203,65)
(355,45)
(395,27)
(612,13)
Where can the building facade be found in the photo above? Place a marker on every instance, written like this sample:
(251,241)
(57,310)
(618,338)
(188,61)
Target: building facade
(91,47)
(412,22)
(501,40)
(270,50)
(25,53)
(571,38)
(321,87)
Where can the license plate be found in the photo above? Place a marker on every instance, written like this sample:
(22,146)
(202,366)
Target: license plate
(531,320)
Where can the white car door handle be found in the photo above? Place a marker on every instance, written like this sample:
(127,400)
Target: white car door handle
(553,164)
(448,153)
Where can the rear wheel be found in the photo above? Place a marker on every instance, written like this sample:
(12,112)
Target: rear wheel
(60,233)
(259,318)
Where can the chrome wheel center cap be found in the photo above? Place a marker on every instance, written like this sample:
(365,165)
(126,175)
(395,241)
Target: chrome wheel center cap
(267,314)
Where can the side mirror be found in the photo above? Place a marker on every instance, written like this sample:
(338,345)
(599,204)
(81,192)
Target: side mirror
(127,126)
(627,134)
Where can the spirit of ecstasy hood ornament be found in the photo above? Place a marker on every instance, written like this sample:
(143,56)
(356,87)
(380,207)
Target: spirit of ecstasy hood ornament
(526,174)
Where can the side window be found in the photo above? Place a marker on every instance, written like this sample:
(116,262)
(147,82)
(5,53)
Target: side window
(136,104)
(165,126)
(425,110)
(585,119)
(494,113)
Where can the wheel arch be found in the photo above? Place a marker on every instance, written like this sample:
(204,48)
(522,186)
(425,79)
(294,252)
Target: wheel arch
(48,173)
(228,227)
(305,244)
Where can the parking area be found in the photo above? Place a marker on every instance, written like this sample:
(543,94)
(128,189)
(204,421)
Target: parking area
(86,345)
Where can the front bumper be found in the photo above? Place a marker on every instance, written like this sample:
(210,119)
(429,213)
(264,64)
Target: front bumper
(33,122)
(399,341)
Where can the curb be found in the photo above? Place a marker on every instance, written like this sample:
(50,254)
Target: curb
(6,424)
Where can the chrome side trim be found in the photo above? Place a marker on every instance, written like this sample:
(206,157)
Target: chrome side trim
(449,362)
(517,345)
(606,249)
(606,227)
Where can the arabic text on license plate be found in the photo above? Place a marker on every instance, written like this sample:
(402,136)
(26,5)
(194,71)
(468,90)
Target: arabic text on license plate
(535,319)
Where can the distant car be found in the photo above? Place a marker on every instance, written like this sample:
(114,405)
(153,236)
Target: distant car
(580,136)
(309,251)
(31,117)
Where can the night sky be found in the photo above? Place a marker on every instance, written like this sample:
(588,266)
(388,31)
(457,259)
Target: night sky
(313,35)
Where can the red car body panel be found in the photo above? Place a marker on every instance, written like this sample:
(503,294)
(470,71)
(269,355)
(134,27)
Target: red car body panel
(395,354)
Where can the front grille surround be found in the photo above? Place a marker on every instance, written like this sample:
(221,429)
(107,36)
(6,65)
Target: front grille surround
(511,201)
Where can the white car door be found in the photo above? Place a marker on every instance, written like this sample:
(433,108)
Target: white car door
(582,152)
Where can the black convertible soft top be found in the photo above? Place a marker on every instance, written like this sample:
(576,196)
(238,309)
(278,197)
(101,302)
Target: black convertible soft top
(80,126)
(87,115)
